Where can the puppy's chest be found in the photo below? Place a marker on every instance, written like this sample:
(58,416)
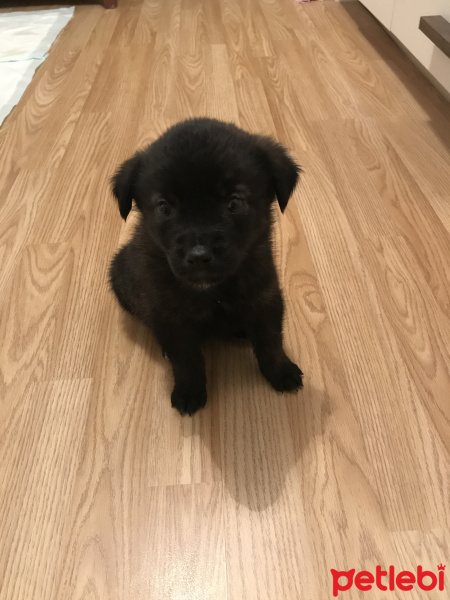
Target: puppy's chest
(225,307)
(217,307)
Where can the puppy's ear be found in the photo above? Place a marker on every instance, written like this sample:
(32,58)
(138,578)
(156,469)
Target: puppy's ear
(283,170)
(124,183)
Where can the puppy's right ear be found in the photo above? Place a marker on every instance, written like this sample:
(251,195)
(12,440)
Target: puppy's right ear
(124,184)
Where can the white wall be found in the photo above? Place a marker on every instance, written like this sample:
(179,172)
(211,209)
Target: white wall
(382,10)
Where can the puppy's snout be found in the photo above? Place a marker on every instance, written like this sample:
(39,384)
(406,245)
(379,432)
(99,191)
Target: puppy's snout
(199,255)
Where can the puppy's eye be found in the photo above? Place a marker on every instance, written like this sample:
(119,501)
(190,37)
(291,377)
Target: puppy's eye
(236,205)
(163,208)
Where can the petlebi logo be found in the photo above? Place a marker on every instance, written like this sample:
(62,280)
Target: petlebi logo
(388,580)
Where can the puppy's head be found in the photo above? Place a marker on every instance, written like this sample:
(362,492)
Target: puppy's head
(205,190)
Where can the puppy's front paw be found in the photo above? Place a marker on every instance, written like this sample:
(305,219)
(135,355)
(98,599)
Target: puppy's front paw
(285,376)
(188,399)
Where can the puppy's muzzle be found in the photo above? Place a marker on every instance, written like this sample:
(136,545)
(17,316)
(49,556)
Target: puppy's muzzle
(198,256)
(201,258)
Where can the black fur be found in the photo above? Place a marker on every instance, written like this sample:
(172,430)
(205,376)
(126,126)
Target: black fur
(200,262)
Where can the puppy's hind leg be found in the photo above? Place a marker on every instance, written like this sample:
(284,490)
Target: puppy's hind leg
(119,279)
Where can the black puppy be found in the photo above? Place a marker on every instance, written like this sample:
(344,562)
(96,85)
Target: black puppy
(200,262)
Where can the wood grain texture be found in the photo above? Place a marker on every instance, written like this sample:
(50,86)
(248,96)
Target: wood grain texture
(106,492)
(38,474)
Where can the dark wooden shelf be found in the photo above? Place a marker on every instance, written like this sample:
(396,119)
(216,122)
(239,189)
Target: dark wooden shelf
(438,30)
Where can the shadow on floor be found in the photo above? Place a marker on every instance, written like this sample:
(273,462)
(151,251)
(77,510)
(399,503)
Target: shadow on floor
(257,438)
(264,435)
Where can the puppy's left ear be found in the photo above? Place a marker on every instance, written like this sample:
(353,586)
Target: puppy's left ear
(124,184)
(284,171)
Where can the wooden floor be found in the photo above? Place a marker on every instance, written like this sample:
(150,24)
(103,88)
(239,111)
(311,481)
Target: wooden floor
(106,492)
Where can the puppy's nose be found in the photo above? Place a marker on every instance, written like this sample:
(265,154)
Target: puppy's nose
(199,255)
